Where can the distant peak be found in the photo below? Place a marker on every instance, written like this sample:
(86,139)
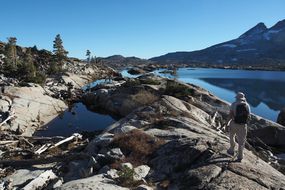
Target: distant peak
(116,56)
(260,27)
(279,25)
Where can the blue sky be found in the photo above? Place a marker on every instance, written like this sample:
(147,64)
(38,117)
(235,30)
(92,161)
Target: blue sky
(143,28)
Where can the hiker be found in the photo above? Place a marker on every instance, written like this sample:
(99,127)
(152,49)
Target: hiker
(239,116)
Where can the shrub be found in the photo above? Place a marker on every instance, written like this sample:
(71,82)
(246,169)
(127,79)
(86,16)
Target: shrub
(176,89)
(126,177)
(40,78)
(144,98)
(132,82)
(150,81)
(137,146)
(141,98)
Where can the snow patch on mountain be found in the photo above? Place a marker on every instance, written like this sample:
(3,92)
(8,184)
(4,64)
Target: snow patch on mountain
(228,45)
(267,35)
(244,50)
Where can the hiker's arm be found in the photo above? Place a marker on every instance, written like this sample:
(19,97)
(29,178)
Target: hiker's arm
(249,111)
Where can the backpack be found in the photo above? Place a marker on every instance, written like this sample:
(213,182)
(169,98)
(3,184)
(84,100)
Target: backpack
(242,114)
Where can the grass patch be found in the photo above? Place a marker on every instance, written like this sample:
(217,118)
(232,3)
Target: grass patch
(141,98)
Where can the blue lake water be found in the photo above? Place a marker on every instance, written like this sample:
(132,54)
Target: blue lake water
(265,90)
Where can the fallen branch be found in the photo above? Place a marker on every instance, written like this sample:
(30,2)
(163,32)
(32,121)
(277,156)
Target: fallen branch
(74,136)
(7,119)
(49,146)
(43,148)
(46,160)
(34,138)
(213,119)
(8,142)
(27,142)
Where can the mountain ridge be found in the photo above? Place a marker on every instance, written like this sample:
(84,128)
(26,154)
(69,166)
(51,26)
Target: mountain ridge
(257,46)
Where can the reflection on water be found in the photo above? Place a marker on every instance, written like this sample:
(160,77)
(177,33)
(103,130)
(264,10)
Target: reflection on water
(264,90)
(76,119)
(270,93)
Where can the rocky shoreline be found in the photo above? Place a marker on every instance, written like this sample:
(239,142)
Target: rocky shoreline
(170,136)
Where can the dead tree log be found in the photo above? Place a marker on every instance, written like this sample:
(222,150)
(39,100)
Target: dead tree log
(46,160)
(49,146)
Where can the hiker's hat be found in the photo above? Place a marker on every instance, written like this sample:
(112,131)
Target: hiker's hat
(240,96)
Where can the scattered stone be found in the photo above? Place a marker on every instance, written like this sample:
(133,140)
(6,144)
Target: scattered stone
(115,154)
(104,170)
(112,173)
(124,129)
(141,172)
(96,144)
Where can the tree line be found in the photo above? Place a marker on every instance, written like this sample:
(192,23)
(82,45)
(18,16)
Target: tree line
(31,64)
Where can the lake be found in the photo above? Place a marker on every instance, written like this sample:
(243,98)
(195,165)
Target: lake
(264,90)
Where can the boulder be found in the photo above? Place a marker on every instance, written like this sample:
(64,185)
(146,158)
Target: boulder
(271,136)
(136,71)
(141,172)
(96,182)
(22,176)
(114,154)
(99,142)
(32,108)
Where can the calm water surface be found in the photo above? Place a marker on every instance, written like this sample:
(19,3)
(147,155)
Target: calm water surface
(264,90)
(76,120)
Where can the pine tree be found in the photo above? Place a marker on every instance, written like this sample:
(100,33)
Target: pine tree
(59,51)
(93,59)
(29,69)
(11,58)
(88,54)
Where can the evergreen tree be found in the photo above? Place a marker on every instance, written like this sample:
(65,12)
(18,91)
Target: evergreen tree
(59,51)
(88,54)
(11,58)
(29,69)
(93,59)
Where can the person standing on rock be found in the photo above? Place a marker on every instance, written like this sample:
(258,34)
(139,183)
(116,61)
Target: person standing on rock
(239,116)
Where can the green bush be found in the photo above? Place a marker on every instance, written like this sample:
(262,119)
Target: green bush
(126,177)
(150,81)
(176,89)
(40,78)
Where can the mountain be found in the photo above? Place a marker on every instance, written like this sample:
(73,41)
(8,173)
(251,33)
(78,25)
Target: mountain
(258,46)
(119,61)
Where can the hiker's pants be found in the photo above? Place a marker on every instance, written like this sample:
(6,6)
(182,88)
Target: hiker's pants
(240,131)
